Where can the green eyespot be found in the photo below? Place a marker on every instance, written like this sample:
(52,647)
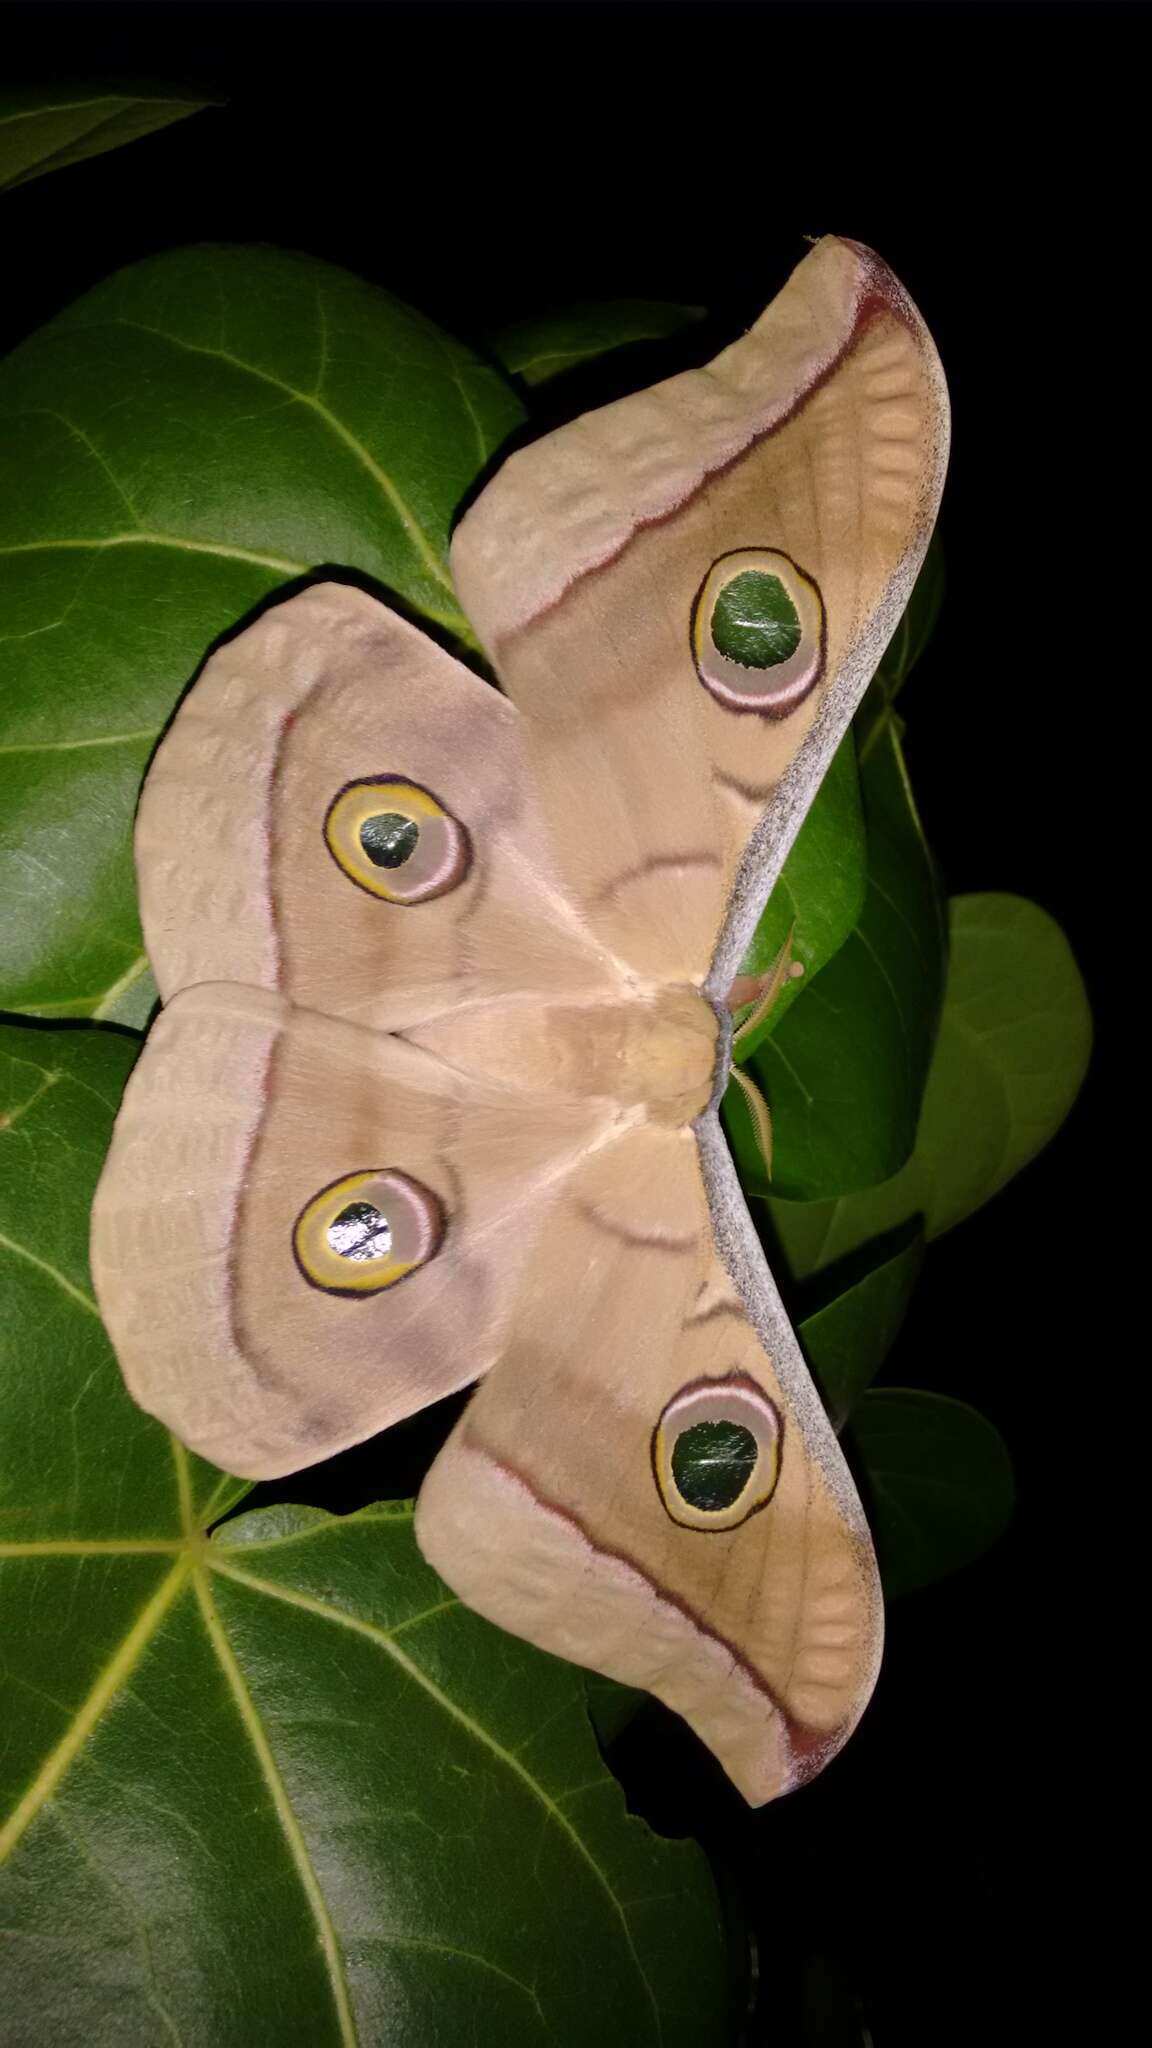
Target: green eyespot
(758,632)
(716,1452)
(712,1463)
(754,621)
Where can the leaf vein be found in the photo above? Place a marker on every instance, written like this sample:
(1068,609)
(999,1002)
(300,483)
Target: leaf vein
(285,1813)
(473,1727)
(386,484)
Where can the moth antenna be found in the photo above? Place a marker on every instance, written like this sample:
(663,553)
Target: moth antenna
(782,970)
(760,1114)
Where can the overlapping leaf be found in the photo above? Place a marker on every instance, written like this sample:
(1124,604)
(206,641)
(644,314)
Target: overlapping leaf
(908,643)
(819,895)
(539,349)
(938,1483)
(195,432)
(46,130)
(844,1070)
(276,1785)
(847,1340)
(1012,1049)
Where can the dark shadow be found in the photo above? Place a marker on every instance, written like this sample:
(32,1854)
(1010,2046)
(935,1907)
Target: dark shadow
(390,1466)
(324,572)
(106,1024)
(617,373)
(831,1281)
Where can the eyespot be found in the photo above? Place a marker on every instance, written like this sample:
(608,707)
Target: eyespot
(393,838)
(758,632)
(716,1453)
(366,1231)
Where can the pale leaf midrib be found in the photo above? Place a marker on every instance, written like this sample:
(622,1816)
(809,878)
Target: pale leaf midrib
(69,1287)
(119,101)
(148,539)
(451,618)
(417,537)
(290,1826)
(190,1555)
(474,1728)
(100,739)
(11,1117)
(128,979)
(96,1546)
(363,1518)
(100,1695)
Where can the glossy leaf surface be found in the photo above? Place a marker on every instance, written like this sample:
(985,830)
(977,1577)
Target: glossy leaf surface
(847,1340)
(820,893)
(844,1071)
(194,433)
(1012,1050)
(938,1483)
(542,348)
(918,622)
(47,130)
(276,1785)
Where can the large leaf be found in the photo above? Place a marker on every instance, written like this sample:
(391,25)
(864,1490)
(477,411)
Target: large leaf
(938,1483)
(1013,1046)
(847,1340)
(189,435)
(47,129)
(844,1071)
(820,892)
(278,1785)
(917,625)
(542,348)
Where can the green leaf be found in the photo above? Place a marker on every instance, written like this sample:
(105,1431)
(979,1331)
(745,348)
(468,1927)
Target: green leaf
(45,130)
(917,625)
(847,1341)
(938,1484)
(79,1458)
(844,1072)
(820,892)
(611,1705)
(129,1001)
(1012,1050)
(190,435)
(540,349)
(276,1786)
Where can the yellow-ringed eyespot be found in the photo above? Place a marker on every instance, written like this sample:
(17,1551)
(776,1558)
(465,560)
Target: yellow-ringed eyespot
(758,632)
(366,1231)
(396,840)
(716,1452)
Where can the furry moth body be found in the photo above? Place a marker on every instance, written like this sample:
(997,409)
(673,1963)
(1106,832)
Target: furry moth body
(433,1096)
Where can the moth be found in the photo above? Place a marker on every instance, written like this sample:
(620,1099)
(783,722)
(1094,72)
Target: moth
(446,974)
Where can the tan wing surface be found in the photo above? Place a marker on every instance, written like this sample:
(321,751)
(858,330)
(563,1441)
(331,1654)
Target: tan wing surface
(233,1320)
(553,1508)
(818,440)
(239,852)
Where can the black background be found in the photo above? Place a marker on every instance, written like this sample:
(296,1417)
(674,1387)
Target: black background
(938,1883)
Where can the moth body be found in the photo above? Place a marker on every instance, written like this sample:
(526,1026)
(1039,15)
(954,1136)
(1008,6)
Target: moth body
(657,1051)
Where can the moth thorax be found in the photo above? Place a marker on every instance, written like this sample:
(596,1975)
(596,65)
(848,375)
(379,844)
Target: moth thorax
(672,1045)
(658,1051)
